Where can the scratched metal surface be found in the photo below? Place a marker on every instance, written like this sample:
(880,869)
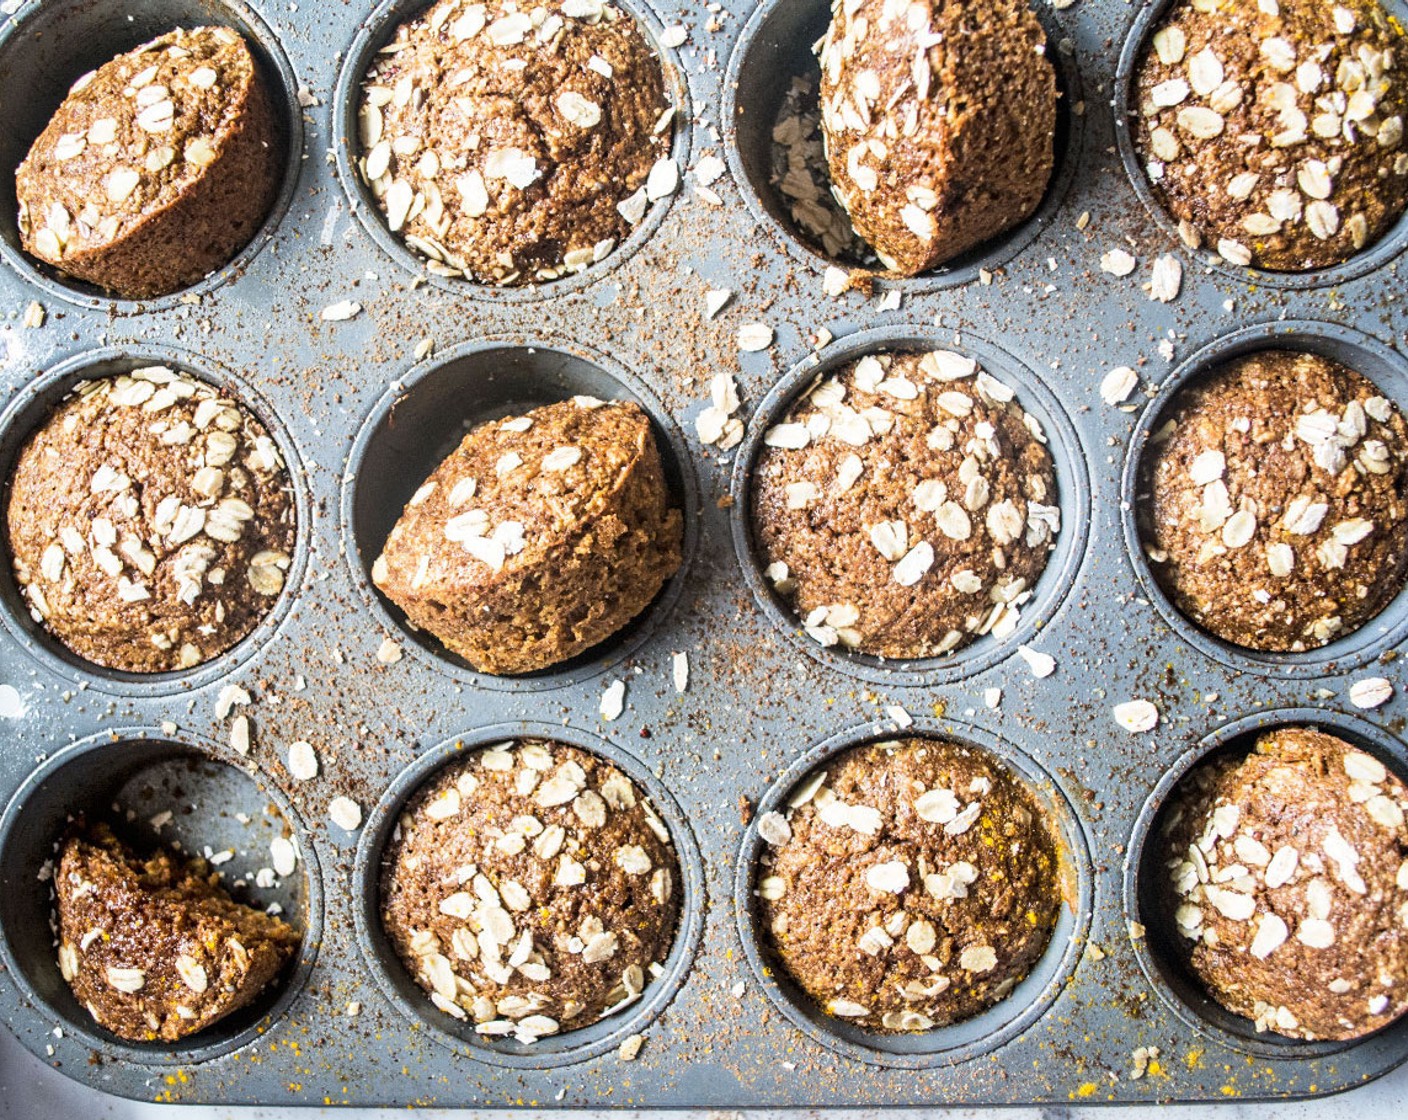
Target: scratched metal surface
(760,700)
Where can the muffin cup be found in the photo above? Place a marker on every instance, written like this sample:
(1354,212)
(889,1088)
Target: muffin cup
(1382,365)
(144,771)
(968,1038)
(425,415)
(30,409)
(47,45)
(570,1046)
(775,47)
(1072,496)
(373,34)
(1156,951)
(1138,42)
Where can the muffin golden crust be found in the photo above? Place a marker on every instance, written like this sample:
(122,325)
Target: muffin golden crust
(150,522)
(530,889)
(909,884)
(906,505)
(1279,518)
(939,118)
(1288,883)
(538,537)
(512,143)
(153,946)
(1274,132)
(157,168)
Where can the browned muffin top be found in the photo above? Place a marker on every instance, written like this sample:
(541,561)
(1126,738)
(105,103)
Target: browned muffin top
(150,522)
(131,139)
(1274,132)
(530,889)
(909,884)
(1288,876)
(512,143)
(939,118)
(1279,518)
(906,505)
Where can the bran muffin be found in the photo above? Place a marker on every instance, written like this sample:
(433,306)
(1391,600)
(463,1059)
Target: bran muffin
(1279,513)
(1288,883)
(538,537)
(905,506)
(150,522)
(157,168)
(1274,132)
(939,118)
(510,143)
(153,946)
(909,884)
(530,889)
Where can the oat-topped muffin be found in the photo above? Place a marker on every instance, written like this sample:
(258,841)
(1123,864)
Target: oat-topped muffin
(540,536)
(1279,518)
(1288,882)
(150,522)
(512,143)
(906,505)
(157,168)
(530,889)
(909,884)
(1273,132)
(940,121)
(153,946)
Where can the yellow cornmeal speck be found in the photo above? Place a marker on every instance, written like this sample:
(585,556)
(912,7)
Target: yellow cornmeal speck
(1193,1059)
(939,709)
(1086,1090)
(1230,1091)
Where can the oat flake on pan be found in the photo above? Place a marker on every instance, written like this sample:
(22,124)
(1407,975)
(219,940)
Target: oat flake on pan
(467,178)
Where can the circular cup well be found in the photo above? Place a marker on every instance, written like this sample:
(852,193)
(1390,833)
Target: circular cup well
(1138,42)
(48,44)
(776,47)
(1144,877)
(1382,365)
(124,778)
(424,417)
(29,409)
(1072,497)
(968,1038)
(411,1001)
(373,34)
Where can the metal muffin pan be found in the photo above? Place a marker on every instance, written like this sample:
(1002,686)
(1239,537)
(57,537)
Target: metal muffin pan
(361,417)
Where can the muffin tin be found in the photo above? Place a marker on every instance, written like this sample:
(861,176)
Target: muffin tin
(361,418)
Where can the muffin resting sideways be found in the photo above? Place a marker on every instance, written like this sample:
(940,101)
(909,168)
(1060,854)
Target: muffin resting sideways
(538,537)
(1288,885)
(939,118)
(909,884)
(154,947)
(530,889)
(157,168)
